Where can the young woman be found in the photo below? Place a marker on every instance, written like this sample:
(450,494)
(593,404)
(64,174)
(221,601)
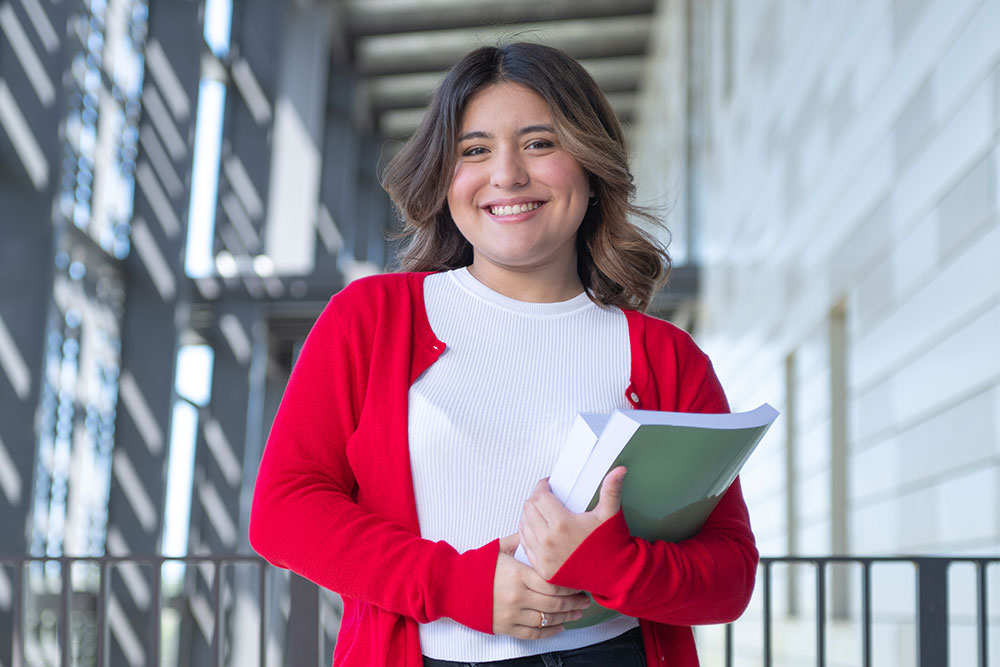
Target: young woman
(403,466)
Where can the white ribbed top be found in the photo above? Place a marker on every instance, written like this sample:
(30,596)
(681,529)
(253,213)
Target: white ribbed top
(486,421)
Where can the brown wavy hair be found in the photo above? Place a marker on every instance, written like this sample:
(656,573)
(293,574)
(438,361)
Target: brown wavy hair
(619,263)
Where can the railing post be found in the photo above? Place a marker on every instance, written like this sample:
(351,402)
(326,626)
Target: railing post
(866,614)
(263,614)
(932,612)
(728,632)
(17,615)
(303,623)
(103,596)
(157,610)
(820,613)
(217,635)
(767,614)
(982,613)
(65,633)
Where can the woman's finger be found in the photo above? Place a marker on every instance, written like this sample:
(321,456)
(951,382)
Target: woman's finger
(508,544)
(610,500)
(531,522)
(533,618)
(554,604)
(526,542)
(545,502)
(541,486)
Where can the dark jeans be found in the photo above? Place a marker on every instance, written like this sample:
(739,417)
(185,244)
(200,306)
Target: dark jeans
(625,650)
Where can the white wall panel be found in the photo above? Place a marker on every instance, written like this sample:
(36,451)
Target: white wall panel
(875,471)
(957,438)
(967,508)
(951,370)
(930,313)
(872,414)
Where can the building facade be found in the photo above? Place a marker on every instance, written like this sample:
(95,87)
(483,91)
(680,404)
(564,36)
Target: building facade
(839,164)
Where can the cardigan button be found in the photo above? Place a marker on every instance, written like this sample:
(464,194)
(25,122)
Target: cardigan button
(634,396)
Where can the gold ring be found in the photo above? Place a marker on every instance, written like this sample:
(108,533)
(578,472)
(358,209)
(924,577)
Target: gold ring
(545,620)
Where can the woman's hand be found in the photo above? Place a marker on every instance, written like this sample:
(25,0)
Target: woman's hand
(550,532)
(520,597)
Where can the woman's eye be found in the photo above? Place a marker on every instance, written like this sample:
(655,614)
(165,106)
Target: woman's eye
(475,150)
(541,143)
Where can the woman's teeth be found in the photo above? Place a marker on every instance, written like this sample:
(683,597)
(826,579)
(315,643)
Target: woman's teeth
(515,209)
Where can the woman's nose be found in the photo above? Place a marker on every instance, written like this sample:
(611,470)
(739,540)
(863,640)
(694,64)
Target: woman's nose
(508,170)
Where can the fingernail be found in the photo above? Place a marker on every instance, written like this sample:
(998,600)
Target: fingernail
(577,615)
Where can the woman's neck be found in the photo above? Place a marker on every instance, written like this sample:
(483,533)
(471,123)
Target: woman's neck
(545,285)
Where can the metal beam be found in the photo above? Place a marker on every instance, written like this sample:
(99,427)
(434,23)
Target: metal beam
(380,17)
(439,49)
(401,91)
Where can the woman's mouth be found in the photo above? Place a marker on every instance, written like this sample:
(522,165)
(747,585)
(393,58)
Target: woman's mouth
(514,209)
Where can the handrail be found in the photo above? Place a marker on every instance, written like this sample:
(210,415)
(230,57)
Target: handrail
(931,604)
(931,581)
(105,563)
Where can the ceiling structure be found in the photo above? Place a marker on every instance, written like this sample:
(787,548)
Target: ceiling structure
(400,49)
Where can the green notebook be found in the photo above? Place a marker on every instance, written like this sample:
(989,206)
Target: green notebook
(679,465)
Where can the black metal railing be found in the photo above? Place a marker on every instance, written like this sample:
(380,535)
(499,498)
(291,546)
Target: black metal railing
(96,600)
(931,619)
(303,633)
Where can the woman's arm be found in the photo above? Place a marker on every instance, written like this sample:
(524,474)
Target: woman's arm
(707,578)
(305,516)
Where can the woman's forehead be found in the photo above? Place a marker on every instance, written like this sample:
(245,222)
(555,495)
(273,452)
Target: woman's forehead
(507,105)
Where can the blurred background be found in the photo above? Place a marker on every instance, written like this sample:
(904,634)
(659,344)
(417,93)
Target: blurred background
(184,184)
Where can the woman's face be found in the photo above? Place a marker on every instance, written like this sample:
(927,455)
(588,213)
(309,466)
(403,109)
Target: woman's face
(516,195)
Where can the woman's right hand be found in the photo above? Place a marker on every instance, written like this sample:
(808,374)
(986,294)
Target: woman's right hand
(521,596)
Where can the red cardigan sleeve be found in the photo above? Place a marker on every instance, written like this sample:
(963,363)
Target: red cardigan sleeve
(706,579)
(305,515)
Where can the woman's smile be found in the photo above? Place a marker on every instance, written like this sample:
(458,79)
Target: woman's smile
(504,211)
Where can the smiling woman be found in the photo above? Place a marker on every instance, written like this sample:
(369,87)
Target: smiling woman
(403,467)
(618,263)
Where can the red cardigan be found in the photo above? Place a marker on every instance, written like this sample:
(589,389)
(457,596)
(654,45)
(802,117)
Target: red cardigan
(334,494)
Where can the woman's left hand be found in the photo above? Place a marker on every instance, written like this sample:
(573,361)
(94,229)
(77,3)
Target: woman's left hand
(550,533)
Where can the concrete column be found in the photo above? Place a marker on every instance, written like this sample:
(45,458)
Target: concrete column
(225,429)
(32,103)
(153,313)
(33,58)
(292,208)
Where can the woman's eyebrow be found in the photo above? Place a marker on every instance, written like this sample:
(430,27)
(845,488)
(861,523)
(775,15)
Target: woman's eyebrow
(480,134)
(475,134)
(536,128)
